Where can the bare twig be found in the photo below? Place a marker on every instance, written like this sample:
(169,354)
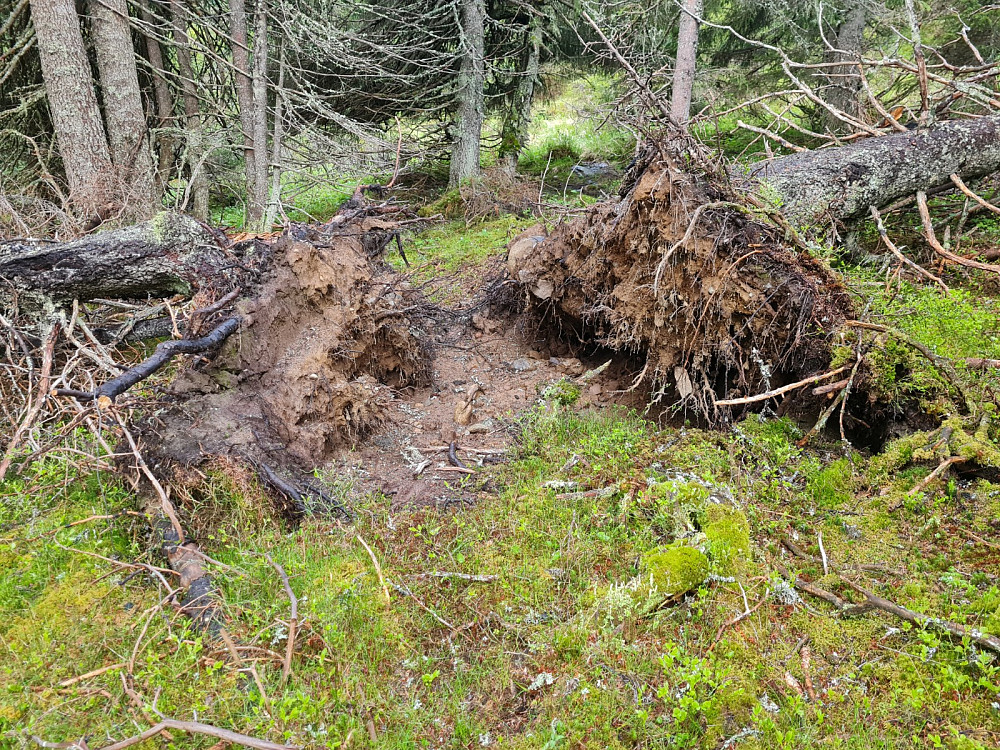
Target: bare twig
(782,390)
(293,621)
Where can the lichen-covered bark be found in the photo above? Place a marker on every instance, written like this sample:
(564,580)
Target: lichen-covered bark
(123,111)
(172,254)
(843,183)
(71,97)
(471,104)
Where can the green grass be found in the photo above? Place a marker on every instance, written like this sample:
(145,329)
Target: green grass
(525,659)
(567,129)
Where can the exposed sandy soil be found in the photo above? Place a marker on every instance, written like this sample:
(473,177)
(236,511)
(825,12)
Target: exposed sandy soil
(344,368)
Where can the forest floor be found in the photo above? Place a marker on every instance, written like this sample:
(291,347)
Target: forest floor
(486,609)
(475,610)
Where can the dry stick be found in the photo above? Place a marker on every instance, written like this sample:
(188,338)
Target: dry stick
(378,568)
(773,136)
(36,408)
(977,538)
(899,254)
(984,640)
(806,654)
(932,240)
(782,390)
(809,588)
(165,504)
(293,621)
(941,468)
(192,727)
(93,673)
(974,196)
(733,620)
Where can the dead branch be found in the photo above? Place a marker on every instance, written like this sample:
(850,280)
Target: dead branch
(938,471)
(166,351)
(955,630)
(191,727)
(932,240)
(784,389)
(293,621)
(899,254)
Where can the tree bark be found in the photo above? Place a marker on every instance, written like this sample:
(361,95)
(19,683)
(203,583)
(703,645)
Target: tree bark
(844,80)
(163,98)
(197,179)
(244,99)
(258,196)
(171,254)
(72,101)
(471,102)
(844,183)
(687,56)
(277,143)
(515,129)
(123,111)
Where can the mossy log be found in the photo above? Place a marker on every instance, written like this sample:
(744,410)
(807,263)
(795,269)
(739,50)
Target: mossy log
(171,254)
(843,183)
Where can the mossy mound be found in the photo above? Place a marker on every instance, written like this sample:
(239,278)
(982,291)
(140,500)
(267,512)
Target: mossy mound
(728,532)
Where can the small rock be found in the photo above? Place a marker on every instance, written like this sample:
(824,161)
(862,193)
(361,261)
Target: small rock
(595,390)
(479,427)
(522,364)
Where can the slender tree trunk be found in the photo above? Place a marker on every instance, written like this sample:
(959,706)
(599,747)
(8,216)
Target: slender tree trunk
(471,101)
(72,101)
(163,98)
(687,57)
(515,129)
(258,202)
(844,86)
(244,96)
(123,111)
(277,143)
(198,182)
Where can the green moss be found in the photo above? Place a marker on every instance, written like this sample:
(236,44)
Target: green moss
(450,205)
(562,392)
(830,487)
(728,532)
(673,571)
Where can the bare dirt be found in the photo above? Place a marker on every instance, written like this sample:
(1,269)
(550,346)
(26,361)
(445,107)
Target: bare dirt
(342,366)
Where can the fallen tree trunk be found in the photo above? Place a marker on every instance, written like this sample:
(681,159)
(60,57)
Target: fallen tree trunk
(845,182)
(171,254)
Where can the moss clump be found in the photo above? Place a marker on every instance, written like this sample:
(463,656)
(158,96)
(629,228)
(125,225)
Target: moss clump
(728,532)
(830,487)
(562,392)
(667,574)
(450,205)
(673,571)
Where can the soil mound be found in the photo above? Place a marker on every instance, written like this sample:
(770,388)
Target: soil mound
(323,341)
(714,299)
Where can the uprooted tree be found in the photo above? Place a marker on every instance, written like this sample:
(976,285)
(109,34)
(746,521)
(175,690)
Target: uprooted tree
(700,273)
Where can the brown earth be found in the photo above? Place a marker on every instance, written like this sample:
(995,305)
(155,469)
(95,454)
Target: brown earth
(342,365)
